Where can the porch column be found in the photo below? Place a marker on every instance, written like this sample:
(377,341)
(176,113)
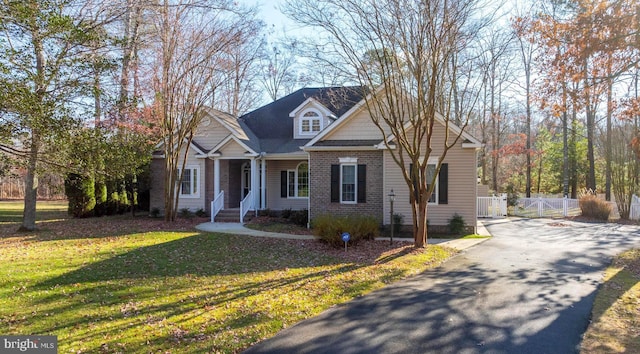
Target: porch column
(263,184)
(216,178)
(254,184)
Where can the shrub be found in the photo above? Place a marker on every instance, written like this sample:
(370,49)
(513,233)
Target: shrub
(593,207)
(329,228)
(299,217)
(512,195)
(267,212)
(201,213)
(397,223)
(154,212)
(80,191)
(286,213)
(456,224)
(185,213)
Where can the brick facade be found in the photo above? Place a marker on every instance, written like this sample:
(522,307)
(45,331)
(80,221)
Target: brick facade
(320,185)
(207,174)
(156,192)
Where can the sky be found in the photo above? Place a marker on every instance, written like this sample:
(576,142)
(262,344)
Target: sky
(270,14)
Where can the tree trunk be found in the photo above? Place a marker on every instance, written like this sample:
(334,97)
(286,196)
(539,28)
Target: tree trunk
(591,129)
(528,93)
(573,154)
(420,232)
(565,154)
(31,188)
(607,186)
(31,183)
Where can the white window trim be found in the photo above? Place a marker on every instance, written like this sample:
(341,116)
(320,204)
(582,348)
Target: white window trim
(355,181)
(348,160)
(196,172)
(310,119)
(295,172)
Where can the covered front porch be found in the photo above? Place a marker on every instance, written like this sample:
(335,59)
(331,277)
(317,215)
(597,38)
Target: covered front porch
(247,185)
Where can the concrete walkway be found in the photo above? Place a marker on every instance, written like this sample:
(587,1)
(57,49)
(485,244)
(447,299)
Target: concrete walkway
(240,229)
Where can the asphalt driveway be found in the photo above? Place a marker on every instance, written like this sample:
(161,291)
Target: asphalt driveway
(529,289)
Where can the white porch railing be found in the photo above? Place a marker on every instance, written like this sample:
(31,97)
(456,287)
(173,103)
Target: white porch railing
(216,205)
(634,211)
(246,204)
(547,207)
(492,207)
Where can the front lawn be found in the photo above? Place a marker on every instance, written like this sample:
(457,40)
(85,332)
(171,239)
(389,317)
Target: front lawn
(139,285)
(615,322)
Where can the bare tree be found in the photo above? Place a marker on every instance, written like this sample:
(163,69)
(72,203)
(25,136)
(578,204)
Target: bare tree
(237,89)
(193,34)
(427,72)
(521,27)
(279,76)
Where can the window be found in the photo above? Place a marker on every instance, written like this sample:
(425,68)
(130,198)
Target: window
(298,181)
(440,192)
(431,169)
(348,183)
(189,183)
(310,123)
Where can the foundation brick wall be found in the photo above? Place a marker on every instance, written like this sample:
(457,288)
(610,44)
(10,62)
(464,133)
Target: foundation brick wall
(320,186)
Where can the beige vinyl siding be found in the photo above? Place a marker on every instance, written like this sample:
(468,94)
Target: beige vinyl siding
(233,149)
(194,204)
(212,135)
(274,201)
(359,126)
(462,183)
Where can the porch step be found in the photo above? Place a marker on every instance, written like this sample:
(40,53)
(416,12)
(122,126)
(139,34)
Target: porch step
(232,215)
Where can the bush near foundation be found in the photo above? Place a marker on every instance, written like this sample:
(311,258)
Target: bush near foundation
(329,228)
(595,208)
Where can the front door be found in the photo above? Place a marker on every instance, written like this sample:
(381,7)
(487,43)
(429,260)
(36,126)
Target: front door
(245,183)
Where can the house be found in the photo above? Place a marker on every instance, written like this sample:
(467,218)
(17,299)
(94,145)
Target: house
(315,149)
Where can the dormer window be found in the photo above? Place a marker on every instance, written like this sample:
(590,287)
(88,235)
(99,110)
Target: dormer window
(310,123)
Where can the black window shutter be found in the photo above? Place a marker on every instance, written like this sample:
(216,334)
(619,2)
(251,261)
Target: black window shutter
(443,184)
(335,183)
(362,183)
(283,184)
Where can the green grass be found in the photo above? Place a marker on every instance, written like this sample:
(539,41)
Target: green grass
(472,236)
(616,311)
(11,211)
(134,285)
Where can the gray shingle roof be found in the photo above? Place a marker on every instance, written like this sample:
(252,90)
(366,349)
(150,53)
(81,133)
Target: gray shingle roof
(273,127)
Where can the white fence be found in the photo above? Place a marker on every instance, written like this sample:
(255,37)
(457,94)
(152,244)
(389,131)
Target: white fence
(547,207)
(492,207)
(634,212)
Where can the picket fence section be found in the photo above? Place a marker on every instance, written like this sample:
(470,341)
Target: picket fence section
(547,207)
(492,207)
(634,212)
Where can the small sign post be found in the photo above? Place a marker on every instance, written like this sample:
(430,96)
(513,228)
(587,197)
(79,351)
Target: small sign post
(345,237)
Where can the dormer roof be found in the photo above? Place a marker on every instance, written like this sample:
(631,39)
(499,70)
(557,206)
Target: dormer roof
(272,123)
